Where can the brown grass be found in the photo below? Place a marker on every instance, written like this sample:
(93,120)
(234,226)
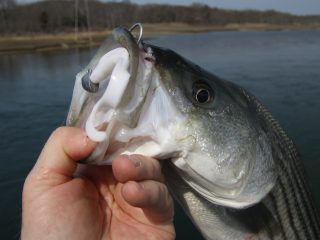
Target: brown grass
(62,41)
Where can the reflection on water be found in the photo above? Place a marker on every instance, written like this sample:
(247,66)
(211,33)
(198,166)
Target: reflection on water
(280,68)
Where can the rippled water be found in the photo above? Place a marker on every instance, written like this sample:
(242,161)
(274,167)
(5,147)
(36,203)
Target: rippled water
(281,68)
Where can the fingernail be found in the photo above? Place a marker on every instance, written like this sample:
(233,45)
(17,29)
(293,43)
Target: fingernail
(141,185)
(136,162)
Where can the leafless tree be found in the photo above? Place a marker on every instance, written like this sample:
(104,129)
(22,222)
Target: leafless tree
(63,15)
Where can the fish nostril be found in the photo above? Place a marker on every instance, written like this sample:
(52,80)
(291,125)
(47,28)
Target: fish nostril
(149,59)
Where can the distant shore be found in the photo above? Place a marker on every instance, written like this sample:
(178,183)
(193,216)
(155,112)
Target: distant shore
(65,41)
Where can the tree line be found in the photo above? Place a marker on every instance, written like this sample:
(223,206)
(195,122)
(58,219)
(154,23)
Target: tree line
(53,16)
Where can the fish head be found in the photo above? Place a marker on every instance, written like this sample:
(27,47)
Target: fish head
(228,159)
(174,110)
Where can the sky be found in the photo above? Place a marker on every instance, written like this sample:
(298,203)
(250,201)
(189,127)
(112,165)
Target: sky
(301,7)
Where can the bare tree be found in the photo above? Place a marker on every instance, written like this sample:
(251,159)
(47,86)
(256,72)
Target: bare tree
(60,15)
(6,4)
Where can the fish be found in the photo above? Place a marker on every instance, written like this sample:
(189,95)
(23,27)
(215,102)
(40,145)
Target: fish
(227,161)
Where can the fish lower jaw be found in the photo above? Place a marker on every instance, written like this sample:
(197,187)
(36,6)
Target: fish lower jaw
(160,144)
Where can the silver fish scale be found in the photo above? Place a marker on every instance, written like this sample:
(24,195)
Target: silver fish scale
(290,200)
(287,213)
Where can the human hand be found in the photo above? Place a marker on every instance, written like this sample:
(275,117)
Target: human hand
(66,200)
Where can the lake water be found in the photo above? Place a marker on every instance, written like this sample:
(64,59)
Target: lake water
(281,68)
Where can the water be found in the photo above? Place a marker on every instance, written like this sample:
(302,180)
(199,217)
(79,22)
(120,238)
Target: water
(281,68)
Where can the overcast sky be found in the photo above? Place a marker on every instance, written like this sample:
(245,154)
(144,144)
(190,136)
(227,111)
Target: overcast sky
(292,6)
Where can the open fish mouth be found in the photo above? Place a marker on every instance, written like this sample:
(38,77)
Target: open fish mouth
(121,103)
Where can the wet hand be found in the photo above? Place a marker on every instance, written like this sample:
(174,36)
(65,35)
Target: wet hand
(66,200)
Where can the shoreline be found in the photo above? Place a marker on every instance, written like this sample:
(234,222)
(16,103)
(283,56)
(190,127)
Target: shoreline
(65,41)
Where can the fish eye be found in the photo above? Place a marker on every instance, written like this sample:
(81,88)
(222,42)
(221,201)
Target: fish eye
(202,93)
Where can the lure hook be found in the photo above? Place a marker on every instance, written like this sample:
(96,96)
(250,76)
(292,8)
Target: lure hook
(141,30)
(92,87)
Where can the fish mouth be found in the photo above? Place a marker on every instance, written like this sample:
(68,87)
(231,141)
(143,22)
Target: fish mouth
(117,100)
(126,75)
(119,49)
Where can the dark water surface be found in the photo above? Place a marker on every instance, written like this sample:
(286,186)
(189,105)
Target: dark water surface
(281,68)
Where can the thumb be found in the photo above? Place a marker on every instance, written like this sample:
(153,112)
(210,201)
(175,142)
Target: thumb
(57,161)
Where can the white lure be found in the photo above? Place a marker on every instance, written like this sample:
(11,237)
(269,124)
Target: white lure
(113,65)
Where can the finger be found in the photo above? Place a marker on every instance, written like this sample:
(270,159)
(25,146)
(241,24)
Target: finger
(153,197)
(136,168)
(65,146)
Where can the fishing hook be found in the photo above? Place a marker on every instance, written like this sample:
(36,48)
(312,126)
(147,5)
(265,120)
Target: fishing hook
(141,30)
(92,87)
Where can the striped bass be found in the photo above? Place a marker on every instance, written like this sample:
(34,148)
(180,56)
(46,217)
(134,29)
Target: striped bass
(231,167)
